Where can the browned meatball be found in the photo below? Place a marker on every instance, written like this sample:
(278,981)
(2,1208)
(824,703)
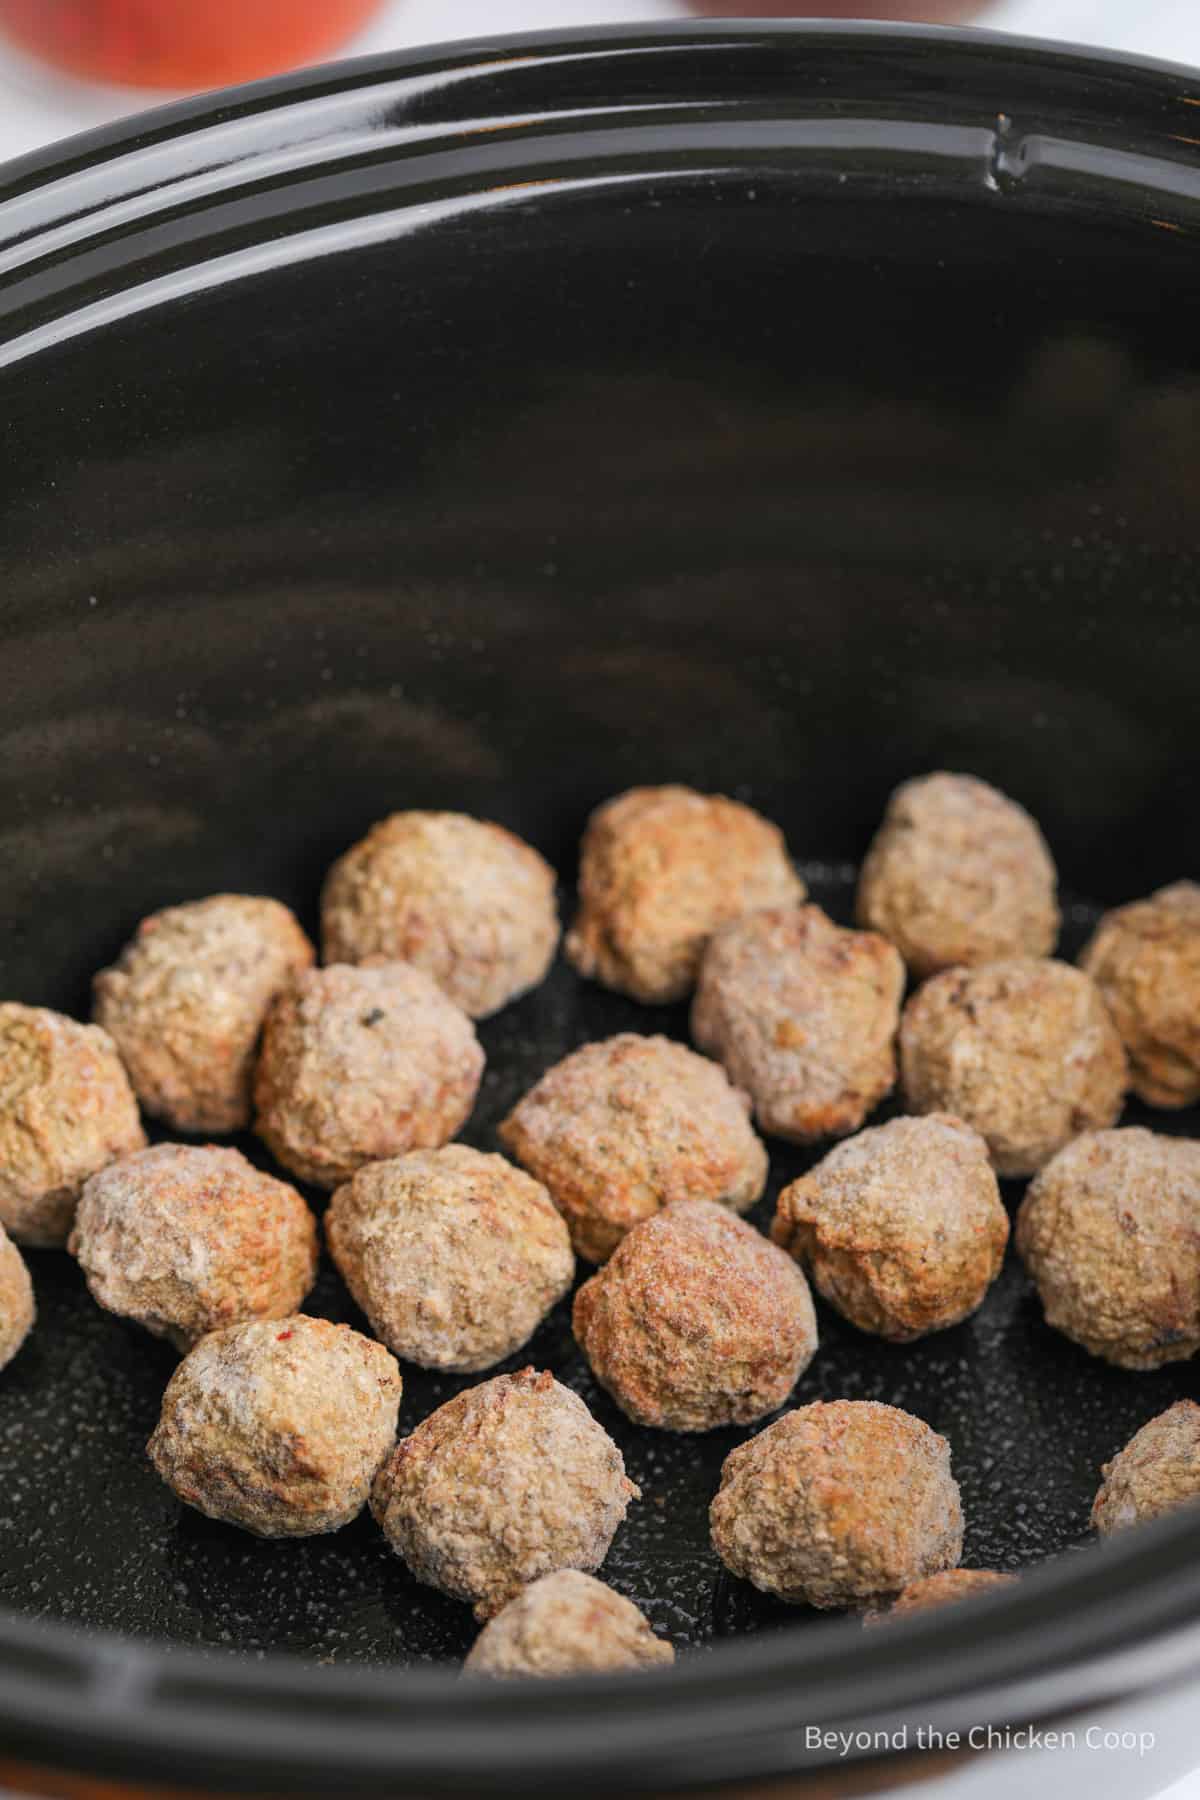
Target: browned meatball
(696,1321)
(944,1589)
(17,1311)
(958,874)
(661,868)
(186,1002)
(804,1016)
(188,1238)
(1024,1051)
(455,1257)
(1145,959)
(362,1064)
(1110,1232)
(840,1503)
(466,901)
(623,1127)
(567,1623)
(902,1228)
(66,1109)
(506,1482)
(1157,1471)
(278,1425)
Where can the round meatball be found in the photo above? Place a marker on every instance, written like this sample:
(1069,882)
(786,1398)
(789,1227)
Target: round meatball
(902,1229)
(941,1590)
(66,1109)
(186,1001)
(804,1016)
(1145,959)
(1110,1233)
(621,1128)
(466,901)
(1024,1051)
(188,1238)
(1156,1472)
(278,1425)
(16,1300)
(958,873)
(362,1064)
(567,1623)
(508,1481)
(455,1257)
(696,1321)
(660,870)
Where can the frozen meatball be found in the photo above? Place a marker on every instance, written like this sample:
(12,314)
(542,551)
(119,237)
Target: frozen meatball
(804,1016)
(508,1481)
(567,1623)
(902,1229)
(466,901)
(660,869)
(66,1109)
(1024,1051)
(362,1064)
(455,1257)
(1145,959)
(278,1425)
(16,1300)
(958,873)
(186,1003)
(696,1321)
(1110,1232)
(188,1238)
(621,1128)
(942,1590)
(841,1503)
(1156,1472)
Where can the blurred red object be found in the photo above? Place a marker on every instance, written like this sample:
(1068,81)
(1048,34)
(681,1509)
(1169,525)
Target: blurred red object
(181,43)
(914,12)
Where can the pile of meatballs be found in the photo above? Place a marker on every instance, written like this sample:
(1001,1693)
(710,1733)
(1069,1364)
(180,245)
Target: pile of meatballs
(637,1155)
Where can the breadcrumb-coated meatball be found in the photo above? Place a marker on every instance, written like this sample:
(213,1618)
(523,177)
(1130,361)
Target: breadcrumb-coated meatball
(1156,1472)
(567,1623)
(17,1312)
(278,1425)
(621,1128)
(958,873)
(803,1015)
(1145,959)
(362,1064)
(696,1321)
(902,1229)
(943,1589)
(1110,1233)
(508,1481)
(185,1004)
(466,901)
(1025,1051)
(661,868)
(188,1238)
(455,1257)
(840,1503)
(66,1109)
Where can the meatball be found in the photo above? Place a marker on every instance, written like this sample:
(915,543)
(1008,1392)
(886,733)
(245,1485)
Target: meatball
(508,1481)
(16,1300)
(660,869)
(278,1425)
(1145,959)
(840,1503)
(621,1128)
(804,1017)
(466,901)
(1156,1472)
(567,1623)
(455,1257)
(362,1064)
(696,1321)
(1110,1233)
(958,873)
(902,1229)
(944,1589)
(66,1109)
(186,1001)
(1024,1051)
(188,1238)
